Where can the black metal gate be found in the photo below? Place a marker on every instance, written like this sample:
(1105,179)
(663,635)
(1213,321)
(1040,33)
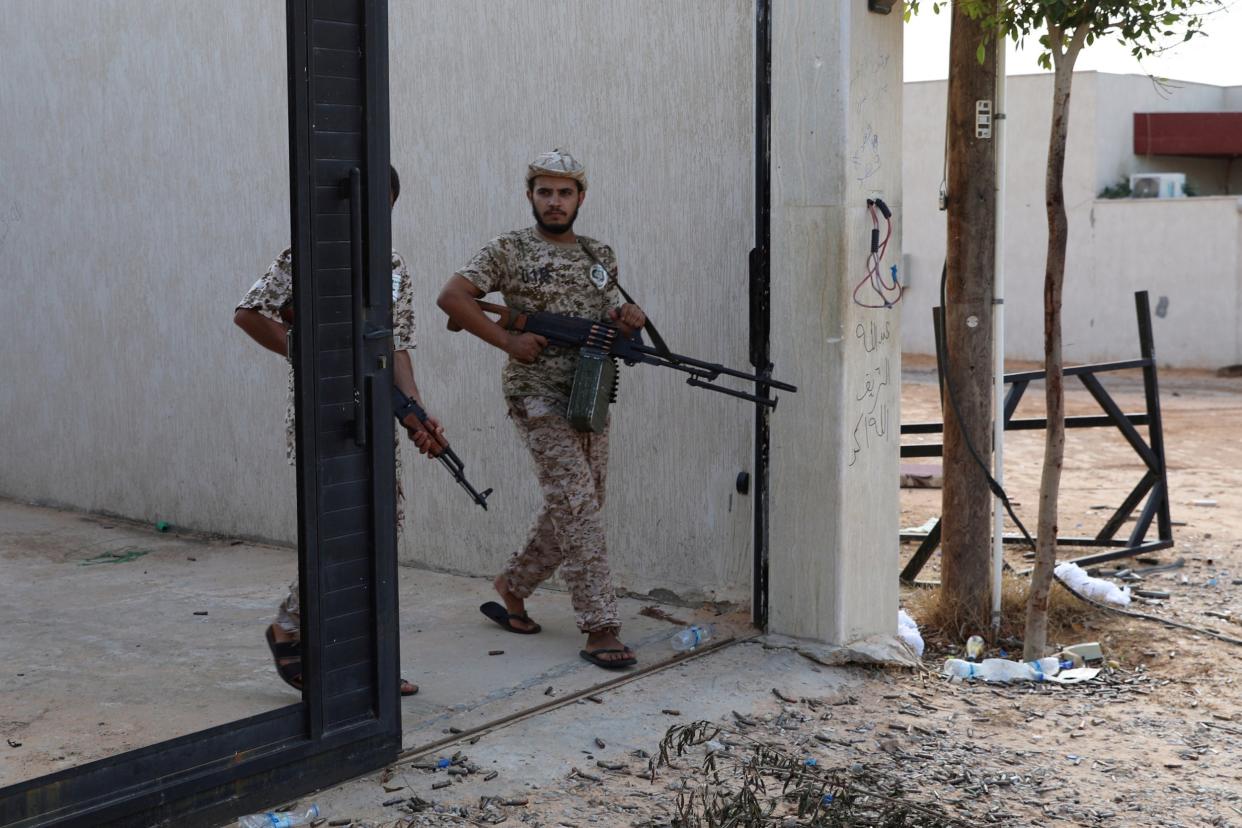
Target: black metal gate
(349,720)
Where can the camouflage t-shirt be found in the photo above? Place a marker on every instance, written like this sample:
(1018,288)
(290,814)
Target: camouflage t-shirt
(534,274)
(274,290)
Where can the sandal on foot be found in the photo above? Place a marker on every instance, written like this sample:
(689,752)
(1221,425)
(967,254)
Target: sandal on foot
(287,656)
(291,671)
(503,617)
(593,656)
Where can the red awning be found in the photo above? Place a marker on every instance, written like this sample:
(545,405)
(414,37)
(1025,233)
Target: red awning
(1204,134)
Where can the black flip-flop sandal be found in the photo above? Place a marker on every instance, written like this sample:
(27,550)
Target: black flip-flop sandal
(502,616)
(290,671)
(593,656)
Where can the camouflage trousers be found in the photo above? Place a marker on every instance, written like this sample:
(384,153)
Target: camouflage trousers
(568,531)
(289,614)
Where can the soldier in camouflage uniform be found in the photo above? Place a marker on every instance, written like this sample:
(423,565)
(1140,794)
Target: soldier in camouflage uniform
(549,268)
(259,314)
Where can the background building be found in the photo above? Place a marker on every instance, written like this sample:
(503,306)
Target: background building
(1186,251)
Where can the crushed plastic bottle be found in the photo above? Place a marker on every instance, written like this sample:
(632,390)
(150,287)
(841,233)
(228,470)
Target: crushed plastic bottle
(974,649)
(279,819)
(1003,670)
(691,638)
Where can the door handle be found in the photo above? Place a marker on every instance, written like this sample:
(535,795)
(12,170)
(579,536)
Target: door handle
(359,303)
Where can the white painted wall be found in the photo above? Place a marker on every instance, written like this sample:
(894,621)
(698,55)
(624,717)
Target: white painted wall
(145,185)
(145,171)
(1184,243)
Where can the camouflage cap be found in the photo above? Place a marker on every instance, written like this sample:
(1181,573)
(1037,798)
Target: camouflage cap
(557,163)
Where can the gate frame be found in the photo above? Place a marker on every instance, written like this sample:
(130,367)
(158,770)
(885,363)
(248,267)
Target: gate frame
(210,776)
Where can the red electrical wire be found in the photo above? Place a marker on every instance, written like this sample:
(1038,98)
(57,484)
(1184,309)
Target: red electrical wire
(888,292)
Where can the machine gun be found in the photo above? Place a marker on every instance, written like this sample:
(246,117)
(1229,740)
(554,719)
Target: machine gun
(403,407)
(600,339)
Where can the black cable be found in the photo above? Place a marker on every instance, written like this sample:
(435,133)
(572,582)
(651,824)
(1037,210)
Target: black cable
(873,277)
(942,347)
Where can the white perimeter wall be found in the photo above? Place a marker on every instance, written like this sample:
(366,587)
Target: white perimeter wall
(146,187)
(1185,250)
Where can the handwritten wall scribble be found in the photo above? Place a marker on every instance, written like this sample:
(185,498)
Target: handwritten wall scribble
(872,400)
(866,159)
(867,72)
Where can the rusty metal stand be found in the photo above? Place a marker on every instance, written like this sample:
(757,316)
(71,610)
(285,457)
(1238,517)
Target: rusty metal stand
(1153,485)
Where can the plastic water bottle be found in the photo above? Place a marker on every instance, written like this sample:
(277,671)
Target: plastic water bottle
(999,669)
(691,638)
(275,819)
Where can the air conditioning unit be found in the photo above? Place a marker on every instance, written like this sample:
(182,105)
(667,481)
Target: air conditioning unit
(1158,185)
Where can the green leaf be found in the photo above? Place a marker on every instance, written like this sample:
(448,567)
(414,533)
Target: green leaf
(981,53)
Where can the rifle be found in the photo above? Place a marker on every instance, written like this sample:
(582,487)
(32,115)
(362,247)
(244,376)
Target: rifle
(607,340)
(402,407)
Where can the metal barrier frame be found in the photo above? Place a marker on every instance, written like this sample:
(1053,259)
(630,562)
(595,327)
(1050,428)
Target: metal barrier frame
(1153,485)
(349,721)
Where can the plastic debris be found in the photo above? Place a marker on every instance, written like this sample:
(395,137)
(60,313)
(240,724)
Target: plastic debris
(1097,589)
(1003,670)
(908,631)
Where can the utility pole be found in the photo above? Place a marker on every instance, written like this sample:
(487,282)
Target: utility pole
(967,329)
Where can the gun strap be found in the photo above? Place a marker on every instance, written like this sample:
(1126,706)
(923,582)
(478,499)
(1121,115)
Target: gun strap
(648,326)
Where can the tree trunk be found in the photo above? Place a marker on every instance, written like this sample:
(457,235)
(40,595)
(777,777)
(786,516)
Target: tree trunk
(966,511)
(1036,637)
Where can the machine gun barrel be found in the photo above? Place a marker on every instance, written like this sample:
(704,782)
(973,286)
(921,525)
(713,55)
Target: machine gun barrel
(574,332)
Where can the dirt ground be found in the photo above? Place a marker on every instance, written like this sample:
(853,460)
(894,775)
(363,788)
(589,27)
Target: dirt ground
(1156,739)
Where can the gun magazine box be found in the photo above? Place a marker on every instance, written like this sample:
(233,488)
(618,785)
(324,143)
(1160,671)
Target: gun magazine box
(595,386)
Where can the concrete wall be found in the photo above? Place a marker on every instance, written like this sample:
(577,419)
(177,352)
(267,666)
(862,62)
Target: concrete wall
(1189,251)
(146,188)
(836,127)
(1101,276)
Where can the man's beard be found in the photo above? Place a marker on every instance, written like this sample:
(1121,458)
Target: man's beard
(554,229)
